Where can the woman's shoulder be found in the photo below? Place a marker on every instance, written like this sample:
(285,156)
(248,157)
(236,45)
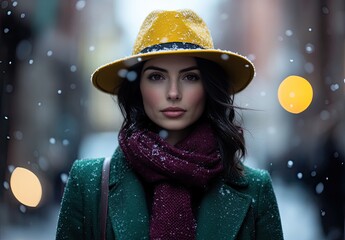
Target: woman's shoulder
(92,167)
(85,172)
(258,182)
(255,174)
(87,164)
(250,177)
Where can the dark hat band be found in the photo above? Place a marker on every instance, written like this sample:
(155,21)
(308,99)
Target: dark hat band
(170,46)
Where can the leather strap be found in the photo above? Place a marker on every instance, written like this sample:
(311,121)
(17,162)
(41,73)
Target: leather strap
(104,197)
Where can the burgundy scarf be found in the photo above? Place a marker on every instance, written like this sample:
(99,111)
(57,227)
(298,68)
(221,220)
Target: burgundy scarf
(174,170)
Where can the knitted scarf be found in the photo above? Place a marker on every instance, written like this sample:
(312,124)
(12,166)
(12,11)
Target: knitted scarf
(173,171)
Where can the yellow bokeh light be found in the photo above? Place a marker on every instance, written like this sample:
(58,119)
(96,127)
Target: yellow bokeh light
(26,187)
(295,94)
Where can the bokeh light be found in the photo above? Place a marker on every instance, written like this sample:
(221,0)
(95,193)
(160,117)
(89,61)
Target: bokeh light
(295,94)
(26,187)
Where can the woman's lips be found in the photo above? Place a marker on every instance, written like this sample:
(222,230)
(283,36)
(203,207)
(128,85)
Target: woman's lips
(173,112)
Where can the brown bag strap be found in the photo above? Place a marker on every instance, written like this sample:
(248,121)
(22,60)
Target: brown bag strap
(104,197)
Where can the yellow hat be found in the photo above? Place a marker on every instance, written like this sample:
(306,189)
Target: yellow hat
(180,32)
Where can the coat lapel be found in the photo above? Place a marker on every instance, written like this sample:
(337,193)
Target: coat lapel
(221,213)
(127,203)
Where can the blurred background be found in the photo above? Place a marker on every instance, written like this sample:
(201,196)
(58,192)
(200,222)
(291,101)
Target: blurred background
(51,115)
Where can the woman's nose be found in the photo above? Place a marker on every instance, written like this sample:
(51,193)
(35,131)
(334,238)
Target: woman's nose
(174,92)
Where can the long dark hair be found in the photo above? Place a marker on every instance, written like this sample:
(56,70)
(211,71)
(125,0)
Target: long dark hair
(219,110)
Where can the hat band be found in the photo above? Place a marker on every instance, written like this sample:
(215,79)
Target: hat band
(170,46)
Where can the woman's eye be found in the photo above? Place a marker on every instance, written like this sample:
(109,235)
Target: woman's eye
(155,77)
(191,77)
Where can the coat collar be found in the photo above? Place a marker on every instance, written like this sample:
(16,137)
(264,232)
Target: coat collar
(221,211)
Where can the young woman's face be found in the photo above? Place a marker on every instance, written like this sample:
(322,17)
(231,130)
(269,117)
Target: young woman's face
(172,91)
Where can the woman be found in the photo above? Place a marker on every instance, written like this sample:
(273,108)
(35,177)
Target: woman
(177,173)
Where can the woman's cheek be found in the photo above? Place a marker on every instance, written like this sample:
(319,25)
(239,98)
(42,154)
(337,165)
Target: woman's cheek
(151,98)
(196,96)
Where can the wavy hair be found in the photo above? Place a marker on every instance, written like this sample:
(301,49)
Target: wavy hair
(219,110)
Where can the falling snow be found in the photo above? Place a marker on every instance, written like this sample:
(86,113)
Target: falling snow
(80,4)
(290,164)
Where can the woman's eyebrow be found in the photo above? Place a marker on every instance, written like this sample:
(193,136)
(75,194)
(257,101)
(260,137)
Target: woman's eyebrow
(155,68)
(189,69)
(164,70)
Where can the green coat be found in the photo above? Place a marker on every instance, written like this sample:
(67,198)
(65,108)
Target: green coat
(245,208)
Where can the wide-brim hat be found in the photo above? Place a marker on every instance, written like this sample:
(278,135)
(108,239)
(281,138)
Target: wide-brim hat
(182,33)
